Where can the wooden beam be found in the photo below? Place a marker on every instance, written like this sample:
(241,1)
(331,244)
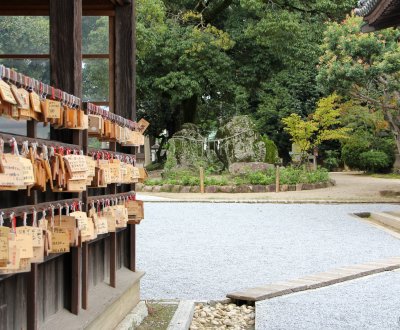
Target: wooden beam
(125,67)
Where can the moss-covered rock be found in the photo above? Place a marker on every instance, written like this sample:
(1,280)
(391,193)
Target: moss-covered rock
(185,149)
(240,142)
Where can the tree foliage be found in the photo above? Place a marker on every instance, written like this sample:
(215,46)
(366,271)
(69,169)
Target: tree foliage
(364,67)
(323,125)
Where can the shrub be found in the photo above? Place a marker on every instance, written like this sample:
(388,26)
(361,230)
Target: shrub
(352,151)
(214,181)
(260,178)
(320,175)
(153,182)
(271,151)
(375,161)
(331,160)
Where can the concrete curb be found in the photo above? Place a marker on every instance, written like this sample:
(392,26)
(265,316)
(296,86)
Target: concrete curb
(183,316)
(315,281)
(305,201)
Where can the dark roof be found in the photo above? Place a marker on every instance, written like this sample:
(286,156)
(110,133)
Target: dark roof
(379,14)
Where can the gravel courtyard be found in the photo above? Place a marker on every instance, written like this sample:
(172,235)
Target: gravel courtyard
(371,302)
(205,250)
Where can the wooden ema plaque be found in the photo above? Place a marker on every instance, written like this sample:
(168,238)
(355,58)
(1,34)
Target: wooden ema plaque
(121,216)
(69,223)
(83,224)
(60,240)
(6,93)
(35,102)
(95,124)
(4,233)
(13,171)
(53,109)
(143,124)
(115,166)
(108,213)
(135,211)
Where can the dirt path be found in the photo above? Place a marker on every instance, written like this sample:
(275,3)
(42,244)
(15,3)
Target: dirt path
(350,187)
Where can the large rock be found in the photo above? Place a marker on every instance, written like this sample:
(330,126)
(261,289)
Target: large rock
(240,142)
(244,168)
(185,148)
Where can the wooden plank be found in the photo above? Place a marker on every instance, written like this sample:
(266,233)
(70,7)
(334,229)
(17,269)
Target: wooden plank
(32,298)
(125,64)
(183,316)
(113,260)
(85,275)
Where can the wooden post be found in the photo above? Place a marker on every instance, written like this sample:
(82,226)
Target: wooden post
(132,244)
(277,181)
(125,62)
(202,180)
(113,260)
(85,275)
(75,279)
(32,306)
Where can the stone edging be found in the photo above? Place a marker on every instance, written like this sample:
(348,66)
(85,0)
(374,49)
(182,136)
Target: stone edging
(234,189)
(315,281)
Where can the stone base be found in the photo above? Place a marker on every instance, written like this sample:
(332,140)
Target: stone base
(107,306)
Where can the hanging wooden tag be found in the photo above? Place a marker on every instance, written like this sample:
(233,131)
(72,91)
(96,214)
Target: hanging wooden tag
(53,109)
(17,95)
(82,221)
(13,171)
(4,233)
(60,240)
(108,213)
(121,216)
(101,224)
(27,171)
(75,163)
(13,258)
(25,244)
(135,210)
(35,101)
(104,164)
(6,93)
(143,124)
(37,241)
(114,166)
(69,223)
(95,125)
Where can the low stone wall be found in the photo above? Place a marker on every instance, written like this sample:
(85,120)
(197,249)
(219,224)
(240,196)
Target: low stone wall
(234,189)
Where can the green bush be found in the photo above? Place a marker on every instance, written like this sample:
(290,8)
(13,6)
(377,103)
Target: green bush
(153,182)
(374,161)
(352,151)
(216,181)
(271,151)
(331,160)
(263,178)
(320,175)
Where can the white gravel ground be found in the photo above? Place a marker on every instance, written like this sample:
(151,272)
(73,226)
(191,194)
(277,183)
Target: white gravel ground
(371,302)
(203,251)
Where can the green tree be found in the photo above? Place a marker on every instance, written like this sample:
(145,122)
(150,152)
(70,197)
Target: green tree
(363,67)
(322,125)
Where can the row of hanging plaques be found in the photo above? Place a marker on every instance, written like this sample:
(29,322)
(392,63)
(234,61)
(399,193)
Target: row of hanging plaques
(63,111)
(63,170)
(61,227)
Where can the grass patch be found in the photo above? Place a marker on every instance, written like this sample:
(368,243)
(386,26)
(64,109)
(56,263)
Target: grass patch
(160,314)
(386,176)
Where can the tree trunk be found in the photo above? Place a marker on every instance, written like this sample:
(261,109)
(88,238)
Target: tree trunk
(189,109)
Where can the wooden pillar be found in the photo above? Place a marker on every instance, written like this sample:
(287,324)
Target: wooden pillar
(113,260)
(132,244)
(85,275)
(66,74)
(125,64)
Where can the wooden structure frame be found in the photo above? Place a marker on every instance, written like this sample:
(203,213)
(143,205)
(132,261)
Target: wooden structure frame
(379,14)
(33,311)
